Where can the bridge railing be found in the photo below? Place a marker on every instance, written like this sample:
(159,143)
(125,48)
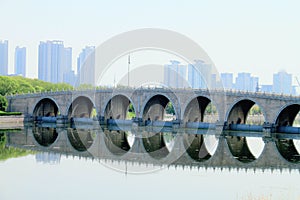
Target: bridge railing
(227,92)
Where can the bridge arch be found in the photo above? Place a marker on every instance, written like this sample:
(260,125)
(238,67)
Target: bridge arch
(81,106)
(117,107)
(195,108)
(239,110)
(46,106)
(154,107)
(287,114)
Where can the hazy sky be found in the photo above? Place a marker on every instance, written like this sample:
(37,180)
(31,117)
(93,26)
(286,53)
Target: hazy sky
(255,36)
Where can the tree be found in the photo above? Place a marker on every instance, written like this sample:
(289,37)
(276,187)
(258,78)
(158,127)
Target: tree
(170,109)
(3,103)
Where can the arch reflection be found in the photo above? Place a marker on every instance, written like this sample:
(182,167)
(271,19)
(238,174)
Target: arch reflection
(118,141)
(200,147)
(289,147)
(45,136)
(81,139)
(245,148)
(158,145)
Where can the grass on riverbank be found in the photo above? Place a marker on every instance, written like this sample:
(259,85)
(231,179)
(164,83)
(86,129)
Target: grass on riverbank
(2,113)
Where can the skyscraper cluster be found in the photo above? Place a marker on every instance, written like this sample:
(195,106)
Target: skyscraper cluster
(197,75)
(282,83)
(55,65)
(20,59)
(54,62)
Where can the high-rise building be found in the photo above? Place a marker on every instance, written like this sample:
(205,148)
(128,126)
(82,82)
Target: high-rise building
(20,61)
(175,75)
(86,60)
(54,61)
(83,56)
(227,80)
(3,57)
(246,82)
(282,83)
(200,75)
(266,88)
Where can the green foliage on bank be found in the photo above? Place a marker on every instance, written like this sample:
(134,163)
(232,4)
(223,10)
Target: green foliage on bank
(3,103)
(10,85)
(20,85)
(3,113)
(10,152)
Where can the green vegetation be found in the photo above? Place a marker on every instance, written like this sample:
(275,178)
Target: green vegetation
(3,103)
(170,109)
(131,112)
(211,109)
(2,113)
(255,110)
(9,152)
(20,85)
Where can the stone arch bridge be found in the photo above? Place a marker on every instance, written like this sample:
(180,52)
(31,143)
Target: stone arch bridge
(150,103)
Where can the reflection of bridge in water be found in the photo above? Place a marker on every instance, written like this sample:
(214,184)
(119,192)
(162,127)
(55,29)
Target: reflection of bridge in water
(187,148)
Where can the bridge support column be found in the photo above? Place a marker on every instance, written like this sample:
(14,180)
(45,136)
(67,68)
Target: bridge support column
(269,128)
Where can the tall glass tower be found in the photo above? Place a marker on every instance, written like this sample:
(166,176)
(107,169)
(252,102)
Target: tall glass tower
(54,61)
(20,61)
(3,57)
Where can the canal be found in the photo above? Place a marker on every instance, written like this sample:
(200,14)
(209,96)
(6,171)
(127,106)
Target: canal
(87,162)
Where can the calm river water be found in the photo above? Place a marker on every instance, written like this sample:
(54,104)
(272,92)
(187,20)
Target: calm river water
(88,163)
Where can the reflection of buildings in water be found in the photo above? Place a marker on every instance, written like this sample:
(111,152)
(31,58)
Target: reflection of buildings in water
(48,158)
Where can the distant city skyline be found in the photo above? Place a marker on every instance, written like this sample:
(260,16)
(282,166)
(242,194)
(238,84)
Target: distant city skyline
(76,62)
(55,65)
(260,37)
(200,76)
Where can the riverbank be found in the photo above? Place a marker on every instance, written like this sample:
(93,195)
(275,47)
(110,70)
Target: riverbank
(11,121)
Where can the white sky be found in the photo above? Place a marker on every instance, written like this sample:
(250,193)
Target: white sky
(261,37)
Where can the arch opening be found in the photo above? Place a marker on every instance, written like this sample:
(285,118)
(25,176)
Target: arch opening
(289,115)
(119,107)
(46,108)
(159,108)
(288,120)
(81,107)
(246,112)
(81,139)
(243,148)
(200,112)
